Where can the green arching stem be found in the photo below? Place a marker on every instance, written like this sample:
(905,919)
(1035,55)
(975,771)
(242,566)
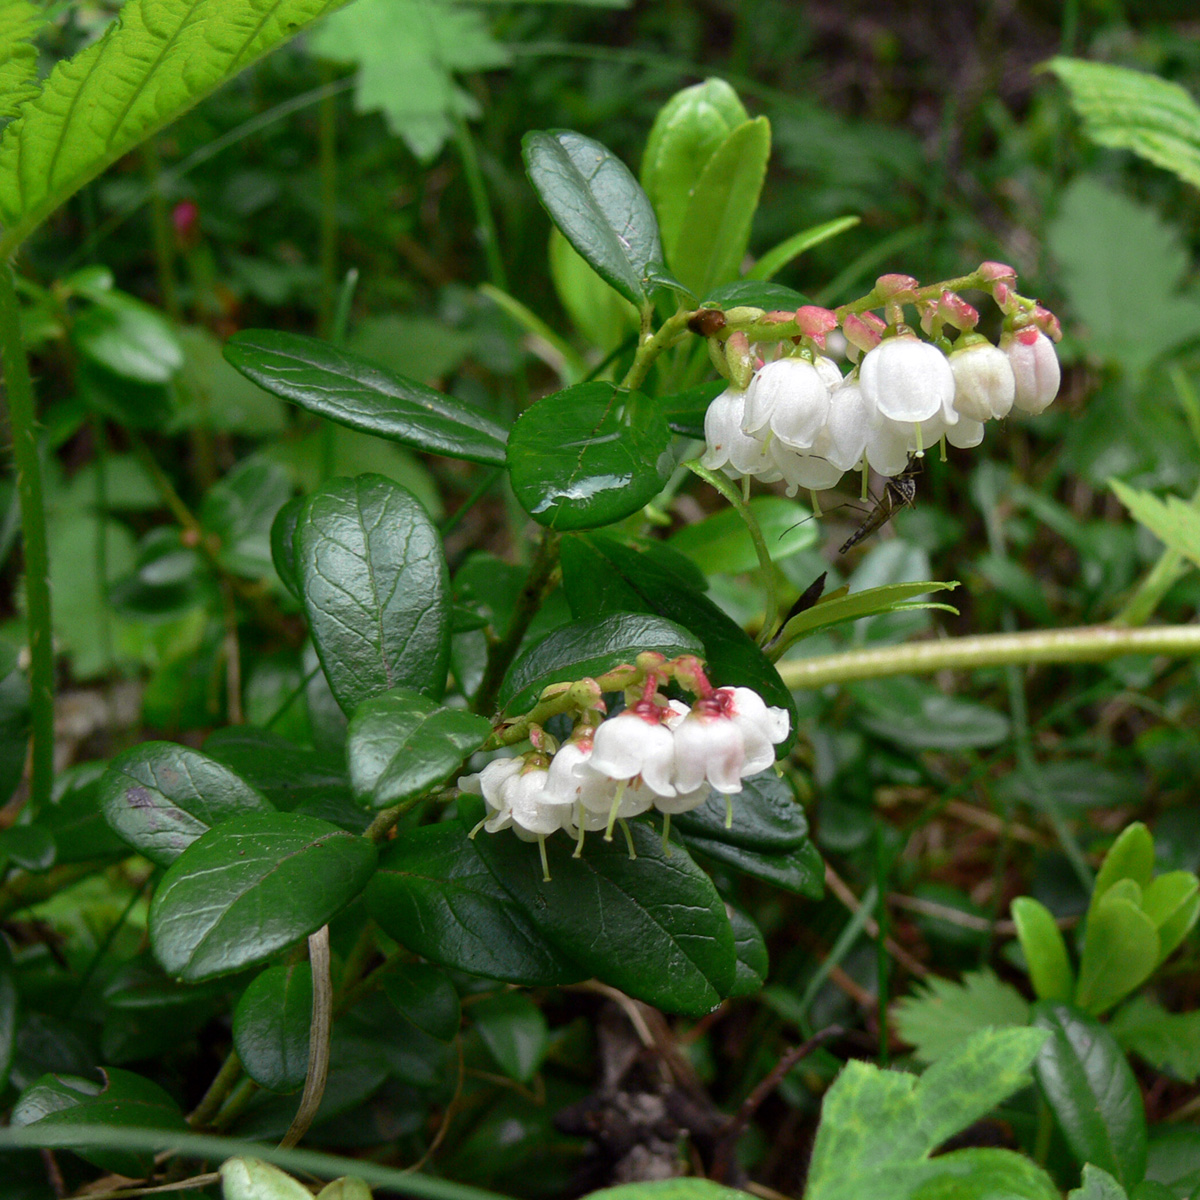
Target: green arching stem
(1089,643)
(651,345)
(766,566)
(19,393)
(218,1090)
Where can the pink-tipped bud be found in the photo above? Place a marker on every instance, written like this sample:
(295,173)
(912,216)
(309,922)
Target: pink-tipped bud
(740,360)
(1048,323)
(901,288)
(815,322)
(185,217)
(956,311)
(997,272)
(859,334)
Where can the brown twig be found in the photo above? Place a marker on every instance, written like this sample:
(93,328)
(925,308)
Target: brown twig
(841,890)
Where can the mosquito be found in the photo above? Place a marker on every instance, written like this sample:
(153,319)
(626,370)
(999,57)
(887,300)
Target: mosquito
(898,493)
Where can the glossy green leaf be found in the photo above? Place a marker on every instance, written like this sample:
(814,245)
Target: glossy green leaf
(1167,1041)
(251,887)
(597,203)
(750,948)
(800,870)
(1045,950)
(158,60)
(352,391)
(915,715)
(656,927)
(513,1029)
(1120,950)
(294,778)
(601,575)
(160,797)
(1092,1091)
(1174,1158)
(128,338)
(401,745)
(878,1128)
(588,456)
(684,411)
(283,543)
(123,1100)
(435,896)
(424,994)
(271,1027)
(766,816)
(778,257)
(376,589)
(722,542)
(1172,902)
(715,230)
(253,1179)
(940,1014)
(1131,856)
(587,649)
(687,132)
(755,293)
(30,847)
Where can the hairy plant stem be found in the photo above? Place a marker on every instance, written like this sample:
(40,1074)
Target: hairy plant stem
(765,566)
(18,389)
(501,653)
(1089,643)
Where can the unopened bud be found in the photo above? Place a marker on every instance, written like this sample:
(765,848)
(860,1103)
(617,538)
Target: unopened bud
(997,272)
(899,288)
(861,331)
(815,323)
(739,359)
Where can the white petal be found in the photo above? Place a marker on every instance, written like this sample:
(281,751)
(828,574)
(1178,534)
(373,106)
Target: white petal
(907,379)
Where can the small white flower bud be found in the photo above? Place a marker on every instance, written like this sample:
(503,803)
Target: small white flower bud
(1035,368)
(983,381)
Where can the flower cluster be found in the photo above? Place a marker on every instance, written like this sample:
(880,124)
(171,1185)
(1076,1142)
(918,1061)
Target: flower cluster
(797,419)
(655,754)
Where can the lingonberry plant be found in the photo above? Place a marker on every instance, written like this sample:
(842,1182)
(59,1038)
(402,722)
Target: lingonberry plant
(354,915)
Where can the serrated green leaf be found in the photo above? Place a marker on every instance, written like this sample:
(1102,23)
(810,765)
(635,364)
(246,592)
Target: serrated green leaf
(1094,1095)
(154,62)
(376,589)
(160,797)
(588,456)
(1175,522)
(778,257)
(351,390)
(271,1027)
(656,926)
(251,887)
(1132,110)
(408,53)
(401,744)
(1045,950)
(941,1015)
(19,24)
(1167,1041)
(586,649)
(715,230)
(598,204)
(978,1174)
(433,894)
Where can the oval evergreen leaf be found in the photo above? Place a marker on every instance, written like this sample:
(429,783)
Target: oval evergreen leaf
(251,887)
(353,391)
(376,589)
(160,797)
(766,817)
(588,456)
(585,649)
(271,1027)
(592,196)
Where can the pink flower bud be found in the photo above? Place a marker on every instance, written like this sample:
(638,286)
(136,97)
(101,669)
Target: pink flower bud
(901,288)
(998,272)
(814,323)
(860,332)
(957,312)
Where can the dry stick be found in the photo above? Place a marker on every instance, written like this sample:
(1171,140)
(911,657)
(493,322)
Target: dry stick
(841,890)
(736,1124)
(318,1039)
(954,916)
(182,1185)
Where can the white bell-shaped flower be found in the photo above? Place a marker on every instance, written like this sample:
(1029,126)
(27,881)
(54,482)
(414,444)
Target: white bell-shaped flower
(811,472)
(965,434)
(849,426)
(1035,368)
(573,780)
(682,802)
(984,384)
(529,808)
(888,445)
(636,743)
(829,371)
(789,398)
(763,726)
(489,783)
(727,447)
(709,747)
(906,379)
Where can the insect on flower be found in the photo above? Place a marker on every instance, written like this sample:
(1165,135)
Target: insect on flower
(898,493)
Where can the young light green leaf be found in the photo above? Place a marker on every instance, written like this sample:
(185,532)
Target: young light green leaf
(588,456)
(154,62)
(1092,1091)
(253,1179)
(779,256)
(1131,856)
(160,797)
(715,230)
(354,392)
(1133,110)
(1120,950)
(1172,902)
(1167,1041)
(941,1015)
(595,200)
(1045,950)
(601,314)
(376,589)
(1097,1185)
(401,744)
(670,1189)
(249,888)
(19,24)
(1175,522)
(585,649)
